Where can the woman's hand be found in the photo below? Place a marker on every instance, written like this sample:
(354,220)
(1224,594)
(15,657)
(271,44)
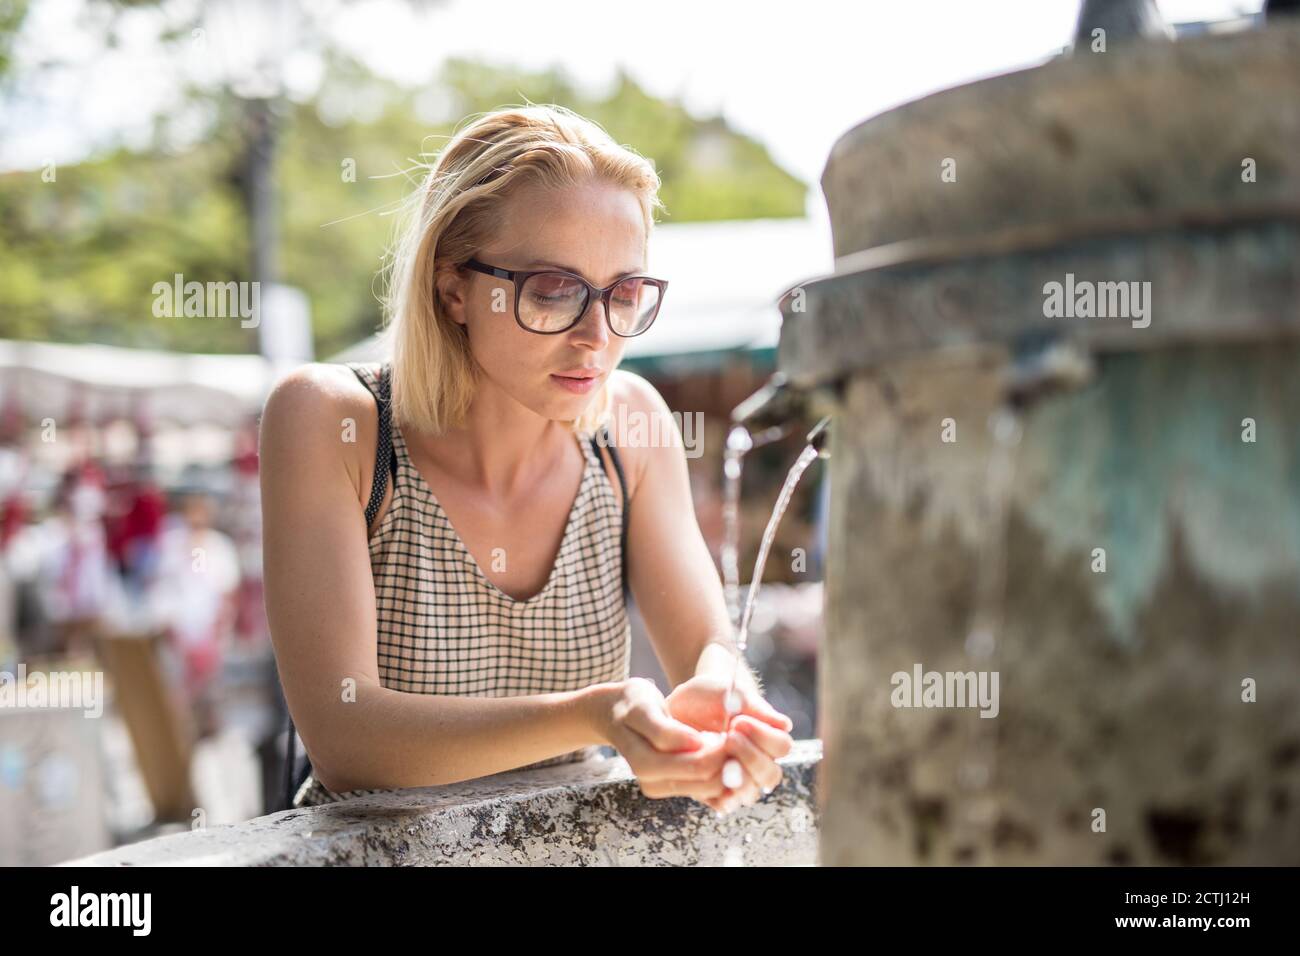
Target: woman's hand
(669,758)
(702,703)
(757,746)
(757,735)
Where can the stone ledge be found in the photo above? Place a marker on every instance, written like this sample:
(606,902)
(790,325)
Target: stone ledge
(584,814)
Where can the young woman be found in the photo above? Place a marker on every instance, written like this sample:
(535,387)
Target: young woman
(444,532)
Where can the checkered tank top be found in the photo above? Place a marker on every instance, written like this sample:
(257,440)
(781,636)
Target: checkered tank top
(444,628)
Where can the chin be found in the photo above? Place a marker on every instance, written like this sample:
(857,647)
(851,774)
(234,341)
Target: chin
(568,411)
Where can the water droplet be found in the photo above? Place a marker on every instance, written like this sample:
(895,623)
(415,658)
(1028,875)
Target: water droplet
(739,439)
(732,774)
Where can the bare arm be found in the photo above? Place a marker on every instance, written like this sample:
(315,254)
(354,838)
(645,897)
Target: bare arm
(321,606)
(671,571)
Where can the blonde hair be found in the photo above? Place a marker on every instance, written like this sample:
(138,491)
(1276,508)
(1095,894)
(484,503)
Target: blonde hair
(456,211)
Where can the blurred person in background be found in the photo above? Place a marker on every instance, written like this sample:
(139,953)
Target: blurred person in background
(70,561)
(243,519)
(14,516)
(193,598)
(134,532)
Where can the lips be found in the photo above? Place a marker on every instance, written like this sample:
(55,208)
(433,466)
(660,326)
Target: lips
(577,380)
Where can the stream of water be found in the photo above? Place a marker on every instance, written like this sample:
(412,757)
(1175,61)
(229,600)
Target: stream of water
(739,441)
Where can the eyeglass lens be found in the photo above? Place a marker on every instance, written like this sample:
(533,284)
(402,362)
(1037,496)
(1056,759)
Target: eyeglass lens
(551,302)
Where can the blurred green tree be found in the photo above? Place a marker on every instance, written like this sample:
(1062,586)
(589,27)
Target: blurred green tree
(79,256)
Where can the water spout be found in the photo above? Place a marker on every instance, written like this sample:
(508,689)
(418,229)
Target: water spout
(779,404)
(819,436)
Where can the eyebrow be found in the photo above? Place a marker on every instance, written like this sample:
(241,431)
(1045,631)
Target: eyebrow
(557,265)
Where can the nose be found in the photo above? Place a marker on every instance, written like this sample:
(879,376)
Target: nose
(593,327)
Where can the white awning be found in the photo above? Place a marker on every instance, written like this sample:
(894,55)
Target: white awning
(52,380)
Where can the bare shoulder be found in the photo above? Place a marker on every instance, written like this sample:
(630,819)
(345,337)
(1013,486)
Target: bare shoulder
(317,413)
(315,394)
(635,392)
(639,414)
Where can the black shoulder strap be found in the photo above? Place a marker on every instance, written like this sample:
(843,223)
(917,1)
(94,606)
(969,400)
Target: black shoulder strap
(292,780)
(622,484)
(384,451)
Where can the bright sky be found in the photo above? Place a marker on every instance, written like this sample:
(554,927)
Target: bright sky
(793,75)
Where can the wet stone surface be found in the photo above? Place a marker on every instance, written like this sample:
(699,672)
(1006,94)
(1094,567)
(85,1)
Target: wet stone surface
(584,814)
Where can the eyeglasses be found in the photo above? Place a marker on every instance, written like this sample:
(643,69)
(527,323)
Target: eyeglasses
(548,302)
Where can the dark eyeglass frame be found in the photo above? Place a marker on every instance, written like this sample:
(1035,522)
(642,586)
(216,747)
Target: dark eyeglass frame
(519,277)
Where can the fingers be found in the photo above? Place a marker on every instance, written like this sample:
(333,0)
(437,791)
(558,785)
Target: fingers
(671,758)
(762,772)
(700,702)
(701,790)
(722,804)
(652,765)
(649,718)
(773,742)
(727,801)
(697,775)
(755,706)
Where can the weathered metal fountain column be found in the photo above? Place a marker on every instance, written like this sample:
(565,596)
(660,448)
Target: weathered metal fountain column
(1064,338)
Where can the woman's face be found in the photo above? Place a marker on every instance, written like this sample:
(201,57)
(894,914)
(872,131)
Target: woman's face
(595,230)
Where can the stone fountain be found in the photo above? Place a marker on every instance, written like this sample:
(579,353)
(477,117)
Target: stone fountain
(1061,348)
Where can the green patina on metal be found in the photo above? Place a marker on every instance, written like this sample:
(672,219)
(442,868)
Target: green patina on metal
(1157,440)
